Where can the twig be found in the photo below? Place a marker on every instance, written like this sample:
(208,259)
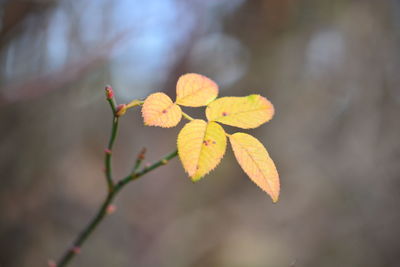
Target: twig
(113,188)
(114,129)
(102,212)
(139,160)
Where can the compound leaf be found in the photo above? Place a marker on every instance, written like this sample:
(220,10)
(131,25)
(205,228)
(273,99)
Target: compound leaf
(195,90)
(201,146)
(256,163)
(243,112)
(159,110)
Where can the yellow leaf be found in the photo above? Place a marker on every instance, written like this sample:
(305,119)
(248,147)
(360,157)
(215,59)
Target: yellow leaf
(256,163)
(159,110)
(243,112)
(201,146)
(195,90)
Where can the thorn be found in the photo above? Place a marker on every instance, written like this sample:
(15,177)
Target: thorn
(76,250)
(107,151)
(51,263)
(141,154)
(111,209)
(148,164)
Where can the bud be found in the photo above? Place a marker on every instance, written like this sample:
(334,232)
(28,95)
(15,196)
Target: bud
(109,92)
(107,151)
(76,250)
(121,110)
(51,263)
(111,209)
(142,154)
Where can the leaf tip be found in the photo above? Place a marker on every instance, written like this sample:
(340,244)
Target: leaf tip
(195,178)
(275,199)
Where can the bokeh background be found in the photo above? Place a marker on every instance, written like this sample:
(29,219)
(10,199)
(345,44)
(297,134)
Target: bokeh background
(331,68)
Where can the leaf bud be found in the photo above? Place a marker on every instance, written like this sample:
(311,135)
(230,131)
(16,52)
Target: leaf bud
(51,263)
(121,110)
(109,92)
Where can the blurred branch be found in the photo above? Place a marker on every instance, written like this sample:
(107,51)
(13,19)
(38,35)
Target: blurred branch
(15,13)
(71,72)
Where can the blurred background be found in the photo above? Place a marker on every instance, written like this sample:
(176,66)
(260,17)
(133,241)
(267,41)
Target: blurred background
(331,68)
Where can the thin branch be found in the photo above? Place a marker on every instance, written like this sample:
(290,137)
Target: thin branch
(139,160)
(102,212)
(113,189)
(114,130)
(145,170)
(71,252)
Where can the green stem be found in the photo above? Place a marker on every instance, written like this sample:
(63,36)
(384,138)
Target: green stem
(71,252)
(108,153)
(113,105)
(145,170)
(186,116)
(102,212)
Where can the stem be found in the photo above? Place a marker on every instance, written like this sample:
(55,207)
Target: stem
(139,159)
(186,116)
(102,212)
(113,189)
(108,152)
(145,170)
(70,253)
(113,105)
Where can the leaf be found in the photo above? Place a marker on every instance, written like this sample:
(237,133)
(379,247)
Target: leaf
(159,110)
(195,90)
(201,146)
(244,112)
(256,163)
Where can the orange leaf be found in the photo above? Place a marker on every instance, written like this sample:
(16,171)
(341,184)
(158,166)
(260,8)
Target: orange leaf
(243,112)
(195,90)
(256,163)
(201,146)
(159,110)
